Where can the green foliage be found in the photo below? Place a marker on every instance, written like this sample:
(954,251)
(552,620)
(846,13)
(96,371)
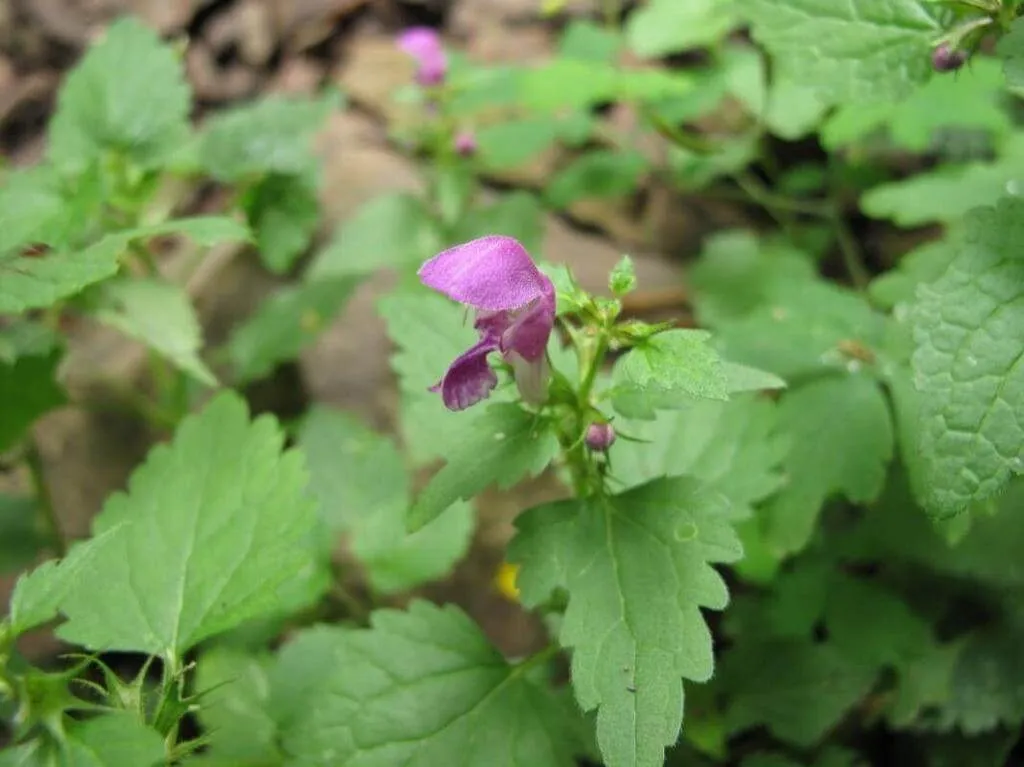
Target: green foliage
(177,570)
(1011,49)
(969,332)
(127,96)
(359,479)
(601,173)
(502,446)
(28,385)
(860,51)
(637,569)
(664,26)
(285,324)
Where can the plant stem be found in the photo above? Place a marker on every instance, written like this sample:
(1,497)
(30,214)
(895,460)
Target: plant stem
(44,500)
(850,251)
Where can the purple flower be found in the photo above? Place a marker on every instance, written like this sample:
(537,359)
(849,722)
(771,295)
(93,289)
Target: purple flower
(600,436)
(424,45)
(515,312)
(465,144)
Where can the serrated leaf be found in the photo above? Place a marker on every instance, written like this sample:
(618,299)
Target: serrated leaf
(418,688)
(214,527)
(861,50)
(667,371)
(270,136)
(637,569)
(285,324)
(160,315)
(503,446)
(798,689)
(841,443)
(668,26)
(924,264)
(31,282)
(234,706)
(597,174)
(733,447)
(284,212)
(970,100)
(1011,49)
(114,739)
(987,685)
(969,332)
(38,594)
(128,94)
(363,488)
(27,391)
(392,230)
(948,192)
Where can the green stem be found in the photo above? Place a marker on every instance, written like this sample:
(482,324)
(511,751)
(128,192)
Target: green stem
(44,500)
(850,251)
(537,659)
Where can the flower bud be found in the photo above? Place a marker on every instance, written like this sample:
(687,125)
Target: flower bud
(465,144)
(600,437)
(946,59)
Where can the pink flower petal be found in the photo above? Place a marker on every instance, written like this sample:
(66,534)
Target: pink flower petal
(491,273)
(469,378)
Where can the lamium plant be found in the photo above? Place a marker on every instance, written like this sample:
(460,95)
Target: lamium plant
(781,522)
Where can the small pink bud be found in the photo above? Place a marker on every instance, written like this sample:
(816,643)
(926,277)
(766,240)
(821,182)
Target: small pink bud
(600,437)
(945,59)
(465,144)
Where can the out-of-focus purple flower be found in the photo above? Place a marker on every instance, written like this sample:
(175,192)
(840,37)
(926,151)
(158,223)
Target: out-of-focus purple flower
(600,437)
(465,144)
(424,45)
(515,312)
(946,59)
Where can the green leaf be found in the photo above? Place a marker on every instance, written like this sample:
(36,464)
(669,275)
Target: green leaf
(668,26)
(516,214)
(565,84)
(861,50)
(666,371)
(423,687)
(513,143)
(234,706)
(948,192)
(969,331)
(114,739)
(285,324)
(504,446)
(637,569)
(271,136)
(283,212)
(798,689)
(38,595)
(21,538)
(972,100)
(1011,49)
(28,390)
(842,442)
(21,337)
(363,488)
(214,525)
(587,41)
(204,230)
(925,685)
(392,230)
(34,208)
(31,282)
(429,332)
(127,95)
(924,264)
(987,685)
(160,315)
(597,174)
(733,447)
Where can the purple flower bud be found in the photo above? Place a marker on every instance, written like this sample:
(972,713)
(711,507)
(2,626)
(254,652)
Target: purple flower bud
(600,437)
(465,144)
(424,45)
(945,59)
